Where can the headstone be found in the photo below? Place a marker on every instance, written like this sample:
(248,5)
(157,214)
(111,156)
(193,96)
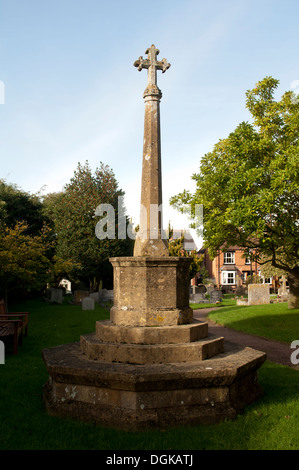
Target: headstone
(258,294)
(201,289)
(56,296)
(79,295)
(95,296)
(215,296)
(105,295)
(283,293)
(88,303)
(241,290)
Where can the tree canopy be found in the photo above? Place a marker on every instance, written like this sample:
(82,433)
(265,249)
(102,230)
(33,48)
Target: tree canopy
(73,212)
(248,184)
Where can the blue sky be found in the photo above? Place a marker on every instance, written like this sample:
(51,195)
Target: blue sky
(72,93)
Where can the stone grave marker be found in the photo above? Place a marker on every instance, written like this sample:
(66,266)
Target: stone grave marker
(56,296)
(258,294)
(88,303)
(215,296)
(79,295)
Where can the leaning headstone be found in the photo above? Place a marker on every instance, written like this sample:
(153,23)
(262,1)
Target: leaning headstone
(258,294)
(56,296)
(88,303)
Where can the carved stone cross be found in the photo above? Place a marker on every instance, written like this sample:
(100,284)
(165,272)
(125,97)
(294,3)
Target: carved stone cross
(150,240)
(152,65)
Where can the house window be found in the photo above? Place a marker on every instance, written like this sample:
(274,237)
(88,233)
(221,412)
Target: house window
(268,280)
(228,277)
(229,257)
(247,261)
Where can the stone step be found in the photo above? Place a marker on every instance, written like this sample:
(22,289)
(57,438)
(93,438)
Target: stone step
(107,332)
(151,353)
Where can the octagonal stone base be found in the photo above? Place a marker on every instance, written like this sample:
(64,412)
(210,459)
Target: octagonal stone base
(137,397)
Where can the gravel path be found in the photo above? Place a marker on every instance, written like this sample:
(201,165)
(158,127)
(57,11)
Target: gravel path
(276,351)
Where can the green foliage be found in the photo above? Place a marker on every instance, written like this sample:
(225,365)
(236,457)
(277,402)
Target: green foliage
(249,184)
(24,265)
(176,248)
(18,206)
(73,214)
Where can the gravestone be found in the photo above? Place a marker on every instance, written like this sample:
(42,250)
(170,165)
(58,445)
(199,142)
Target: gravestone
(88,303)
(283,293)
(79,295)
(56,296)
(258,294)
(215,296)
(198,294)
(201,289)
(105,295)
(95,296)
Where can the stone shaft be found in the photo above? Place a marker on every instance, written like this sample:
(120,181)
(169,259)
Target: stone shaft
(150,240)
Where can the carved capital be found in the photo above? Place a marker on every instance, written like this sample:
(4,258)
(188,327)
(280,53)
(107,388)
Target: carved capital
(152,90)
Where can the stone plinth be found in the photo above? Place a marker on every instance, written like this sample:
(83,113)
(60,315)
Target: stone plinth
(151,291)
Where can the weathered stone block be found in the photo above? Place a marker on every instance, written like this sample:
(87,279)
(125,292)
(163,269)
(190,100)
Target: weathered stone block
(107,332)
(151,291)
(199,350)
(258,294)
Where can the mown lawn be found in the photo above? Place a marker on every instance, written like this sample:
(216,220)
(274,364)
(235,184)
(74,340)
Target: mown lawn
(273,321)
(271,423)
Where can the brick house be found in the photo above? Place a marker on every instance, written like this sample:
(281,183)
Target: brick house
(230,269)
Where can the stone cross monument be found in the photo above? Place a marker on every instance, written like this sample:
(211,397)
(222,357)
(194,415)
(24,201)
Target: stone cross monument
(129,375)
(150,240)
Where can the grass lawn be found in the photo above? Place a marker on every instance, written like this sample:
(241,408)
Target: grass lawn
(270,423)
(273,321)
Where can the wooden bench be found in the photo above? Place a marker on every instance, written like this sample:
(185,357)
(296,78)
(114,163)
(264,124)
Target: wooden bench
(23,316)
(12,329)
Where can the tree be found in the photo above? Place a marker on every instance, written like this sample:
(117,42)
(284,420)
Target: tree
(73,212)
(249,185)
(17,205)
(176,248)
(24,265)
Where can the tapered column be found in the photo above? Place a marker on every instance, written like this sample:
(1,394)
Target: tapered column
(151,240)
